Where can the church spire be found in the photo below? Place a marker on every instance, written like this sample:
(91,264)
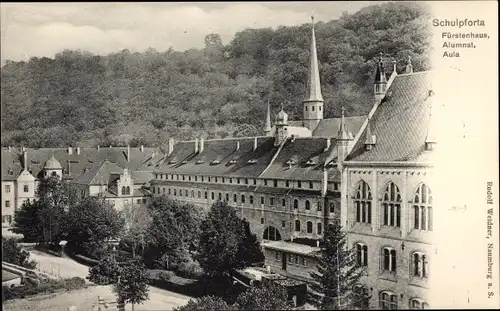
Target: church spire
(314,87)
(343,134)
(313,104)
(380,83)
(267,127)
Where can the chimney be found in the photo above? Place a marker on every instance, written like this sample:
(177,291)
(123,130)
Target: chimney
(255,143)
(317,243)
(110,146)
(77,150)
(268,269)
(10,148)
(170,146)
(328,143)
(23,149)
(291,238)
(196,145)
(128,153)
(202,144)
(237,145)
(69,167)
(70,150)
(141,148)
(98,147)
(25,159)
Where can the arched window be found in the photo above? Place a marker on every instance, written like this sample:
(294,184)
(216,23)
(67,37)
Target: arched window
(283,202)
(186,193)
(297,225)
(361,254)
(319,228)
(242,198)
(420,265)
(309,227)
(54,174)
(295,204)
(169,191)
(199,194)
(212,194)
(227,197)
(388,300)
(175,192)
(192,193)
(319,206)
(163,190)
(262,200)
(235,198)
(417,304)
(251,199)
(308,205)
(206,195)
(332,207)
(422,208)
(124,190)
(388,259)
(392,206)
(220,196)
(363,203)
(312,107)
(271,233)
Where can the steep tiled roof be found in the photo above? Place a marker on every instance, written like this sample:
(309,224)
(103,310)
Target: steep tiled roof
(76,163)
(301,158)
(330,127)
(99,174)
(11,164)
(399,123)
(220,157)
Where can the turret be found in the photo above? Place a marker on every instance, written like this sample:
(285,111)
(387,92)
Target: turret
(281,126)
(380,83)
(267,127)
(313,103)
(344,141)
(409,66)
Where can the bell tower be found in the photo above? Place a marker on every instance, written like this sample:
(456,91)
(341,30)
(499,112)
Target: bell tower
(313,103)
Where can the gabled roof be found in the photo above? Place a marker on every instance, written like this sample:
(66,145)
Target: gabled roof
(99,174)
(300,150)
(11,165)
(399,123)
(184,160)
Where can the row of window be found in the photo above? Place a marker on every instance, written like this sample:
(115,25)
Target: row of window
(26,188)
(419,261)
(391,206)
(312,108)
(389,301)
(235,198)
(292,258)
(309,227)
(245,181)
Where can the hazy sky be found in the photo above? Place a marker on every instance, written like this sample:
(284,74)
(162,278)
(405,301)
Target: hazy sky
(43,29)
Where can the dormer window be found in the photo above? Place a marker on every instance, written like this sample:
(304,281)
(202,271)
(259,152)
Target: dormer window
(290,162)
(184,162)
(232,161)
(252,161)
(172,162)
(200,162)
(310,162)
(215,162)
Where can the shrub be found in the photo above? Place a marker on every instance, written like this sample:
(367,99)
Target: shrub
(13,254)
(190,269)
(50,286)
(74,283)
(164,276)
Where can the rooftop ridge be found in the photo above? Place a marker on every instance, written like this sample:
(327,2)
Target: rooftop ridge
(223,139)
(413,73)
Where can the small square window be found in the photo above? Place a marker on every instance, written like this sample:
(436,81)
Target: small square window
(283,224)
(275,183)
(26,188)
(311,185)
(261,221)
(299,184)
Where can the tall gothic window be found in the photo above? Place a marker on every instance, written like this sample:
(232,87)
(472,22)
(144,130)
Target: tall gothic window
(361,254)
(363,203)
(388,259)
(388,301)
(417,304)
(392,206)
(422,208)
(420,265)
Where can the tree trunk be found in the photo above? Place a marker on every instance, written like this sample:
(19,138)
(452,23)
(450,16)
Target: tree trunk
(133,306)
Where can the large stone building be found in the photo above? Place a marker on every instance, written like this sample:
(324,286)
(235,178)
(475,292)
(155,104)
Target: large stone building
(371,173)
(119,174)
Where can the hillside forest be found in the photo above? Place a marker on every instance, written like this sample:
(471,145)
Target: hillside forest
(81,99)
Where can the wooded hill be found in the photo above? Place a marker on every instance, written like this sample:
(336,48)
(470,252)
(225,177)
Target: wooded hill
(81,99)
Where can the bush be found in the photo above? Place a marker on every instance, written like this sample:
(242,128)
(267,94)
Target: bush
(164,276)
(50,286)
(13,254)
(190,269)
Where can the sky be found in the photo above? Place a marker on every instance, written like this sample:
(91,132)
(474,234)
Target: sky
(44,29)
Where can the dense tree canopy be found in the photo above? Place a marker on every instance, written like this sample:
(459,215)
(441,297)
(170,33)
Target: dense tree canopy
(144,98)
